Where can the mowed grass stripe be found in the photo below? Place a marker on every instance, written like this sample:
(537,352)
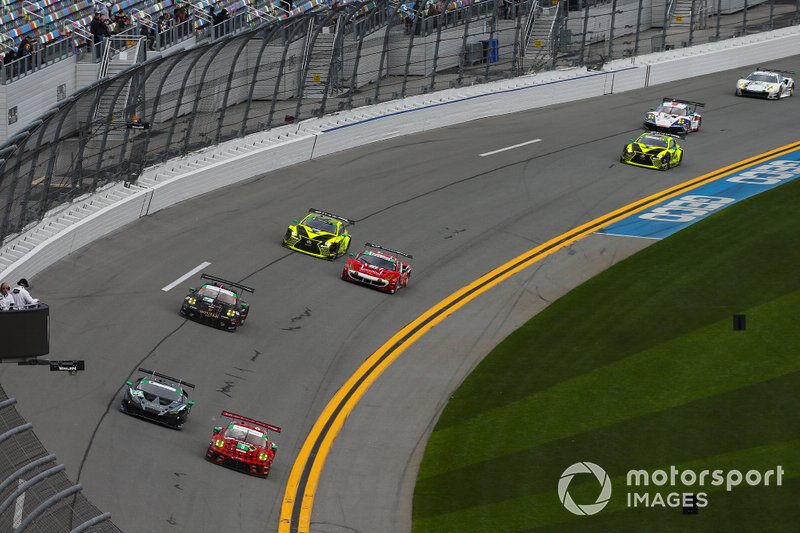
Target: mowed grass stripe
(656,445)
(543,511)
(702,363)
(647,337)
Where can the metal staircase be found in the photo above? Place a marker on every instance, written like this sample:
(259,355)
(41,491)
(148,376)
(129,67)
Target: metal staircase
(319,63)
(539,44)
(682,14)
(110,110)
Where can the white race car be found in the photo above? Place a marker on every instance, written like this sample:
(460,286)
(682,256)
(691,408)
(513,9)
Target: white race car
(674,116)
(767,83)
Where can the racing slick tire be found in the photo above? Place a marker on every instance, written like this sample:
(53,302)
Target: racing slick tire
(699,123)
(665,165)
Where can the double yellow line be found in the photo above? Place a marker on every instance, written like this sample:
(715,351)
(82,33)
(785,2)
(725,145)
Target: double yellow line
(301,487)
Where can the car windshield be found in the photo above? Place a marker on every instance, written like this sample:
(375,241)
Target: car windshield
(671,110)
(766,78)
(320,224)
(377,262)
(247,435)
(157,389)
(216,293)
(652,140)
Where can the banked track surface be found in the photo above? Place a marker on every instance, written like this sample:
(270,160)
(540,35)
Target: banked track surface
(459,214)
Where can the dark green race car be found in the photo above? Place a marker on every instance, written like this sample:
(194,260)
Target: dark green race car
(653,150)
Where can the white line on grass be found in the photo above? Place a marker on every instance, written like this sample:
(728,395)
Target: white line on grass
(189,274)
(510,147)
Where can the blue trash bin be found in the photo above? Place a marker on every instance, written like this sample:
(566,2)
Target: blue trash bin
(494,51)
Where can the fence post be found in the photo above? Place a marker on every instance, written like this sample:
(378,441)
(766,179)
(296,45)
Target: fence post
(719,14)
(691,24)
(439,23)
(664,29)
(744,19)
(354,77)
(463,54)
(415,27)
(384,53)
(771,14)
(638,29)
(585,29)
(611,30)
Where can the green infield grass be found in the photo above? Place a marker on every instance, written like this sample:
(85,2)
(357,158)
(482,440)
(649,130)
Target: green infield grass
(639,368)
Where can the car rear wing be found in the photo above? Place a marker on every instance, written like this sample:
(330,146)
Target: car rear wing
(226,282)
(164,376)
(778,70)
(379,247)
(686,102)
(331,215)
(234,416)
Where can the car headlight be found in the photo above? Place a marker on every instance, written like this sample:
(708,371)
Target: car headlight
(651,116)
(190,300)
(135,396)
(657,157)
(219,443)
(177,409)
(326,244)
(231,313)
(628,149)
(262,456)
(771,88)
(741,85)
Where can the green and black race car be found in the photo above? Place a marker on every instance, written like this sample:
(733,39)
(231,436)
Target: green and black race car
(653,150)
(320,234)
(159,398)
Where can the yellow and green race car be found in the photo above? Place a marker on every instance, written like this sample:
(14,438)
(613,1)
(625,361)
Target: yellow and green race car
(320,234)
(653,150)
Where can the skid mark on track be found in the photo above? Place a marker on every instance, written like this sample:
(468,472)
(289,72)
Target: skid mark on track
(116,394)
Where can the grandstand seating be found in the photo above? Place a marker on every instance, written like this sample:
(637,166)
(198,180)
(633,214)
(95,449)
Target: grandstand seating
(45,21)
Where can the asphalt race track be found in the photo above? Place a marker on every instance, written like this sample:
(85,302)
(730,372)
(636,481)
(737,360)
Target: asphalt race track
(432,195)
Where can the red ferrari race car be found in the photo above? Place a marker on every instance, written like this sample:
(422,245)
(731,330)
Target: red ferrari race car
(243,445)
(378,267)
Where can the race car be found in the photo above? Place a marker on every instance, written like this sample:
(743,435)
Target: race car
(218,303)
(320,234)
(767,83)
(158,397)
(674,116)
(378,267)
(653,150)
(243,445)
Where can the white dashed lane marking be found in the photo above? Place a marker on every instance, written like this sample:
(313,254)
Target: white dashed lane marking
(510,147)
(189,274)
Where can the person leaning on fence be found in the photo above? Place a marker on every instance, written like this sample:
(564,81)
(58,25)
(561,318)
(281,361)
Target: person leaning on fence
(6,300)
(220,22)
(22,298)
(99,30)
(24,54)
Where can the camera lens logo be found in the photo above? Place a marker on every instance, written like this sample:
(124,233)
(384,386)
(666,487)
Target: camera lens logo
(584,468)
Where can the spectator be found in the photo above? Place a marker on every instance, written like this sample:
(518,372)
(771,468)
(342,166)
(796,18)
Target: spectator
(181,19)
(22,298)
(220,23)
(100,31)
(164,28)
(101,7)
(25,52)
(6,300)
(121,22)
